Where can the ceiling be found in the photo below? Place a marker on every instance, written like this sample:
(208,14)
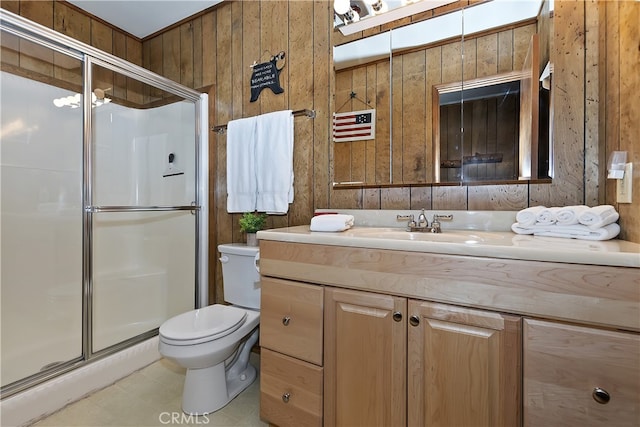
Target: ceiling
(142,18)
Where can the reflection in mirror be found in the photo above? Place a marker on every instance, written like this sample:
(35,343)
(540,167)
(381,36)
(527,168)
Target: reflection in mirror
(490,118)
(351,16)
(427,55)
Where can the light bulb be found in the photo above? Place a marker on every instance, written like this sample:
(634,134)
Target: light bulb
(341,6)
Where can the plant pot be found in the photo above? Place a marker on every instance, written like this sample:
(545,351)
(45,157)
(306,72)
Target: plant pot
(252,240)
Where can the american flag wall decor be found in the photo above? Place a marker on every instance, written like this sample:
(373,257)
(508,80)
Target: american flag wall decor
(354,126)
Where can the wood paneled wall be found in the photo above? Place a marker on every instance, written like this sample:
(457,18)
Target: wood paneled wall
(595,46)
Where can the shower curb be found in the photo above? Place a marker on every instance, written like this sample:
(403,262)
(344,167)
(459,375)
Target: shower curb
(31,405)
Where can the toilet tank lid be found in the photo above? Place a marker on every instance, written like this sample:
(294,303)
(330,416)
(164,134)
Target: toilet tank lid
(238,249)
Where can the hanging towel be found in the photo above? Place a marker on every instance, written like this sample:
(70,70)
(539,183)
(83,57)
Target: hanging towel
(331,222)
(599,216)
(569,214)
(274,162)
(529,216)
(577,231)
(241,168)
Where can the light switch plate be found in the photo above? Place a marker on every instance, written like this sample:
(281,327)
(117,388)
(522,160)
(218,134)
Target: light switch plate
(623,186)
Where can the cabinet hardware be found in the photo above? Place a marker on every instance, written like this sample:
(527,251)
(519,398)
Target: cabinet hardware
(285,397)
(414,320)
(286,320)
(601,395)
(397,316)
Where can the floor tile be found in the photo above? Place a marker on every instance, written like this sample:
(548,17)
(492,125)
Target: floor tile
(153,397)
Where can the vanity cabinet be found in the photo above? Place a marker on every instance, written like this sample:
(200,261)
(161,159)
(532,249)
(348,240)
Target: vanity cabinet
(392,361)
(579,376)
(381,337)
(291,373)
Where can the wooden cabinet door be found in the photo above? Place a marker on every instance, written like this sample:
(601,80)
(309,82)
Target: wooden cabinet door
(579,376)
(365,359)
(291,318)
(464,367)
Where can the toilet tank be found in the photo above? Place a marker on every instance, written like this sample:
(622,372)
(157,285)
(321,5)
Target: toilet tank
(240,276)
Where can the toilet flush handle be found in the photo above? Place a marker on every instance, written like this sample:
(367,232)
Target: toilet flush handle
(256,262)
(224,259)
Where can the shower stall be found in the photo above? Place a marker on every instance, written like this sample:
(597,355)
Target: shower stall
(103,208)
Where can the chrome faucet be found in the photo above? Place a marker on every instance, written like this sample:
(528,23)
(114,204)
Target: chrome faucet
(422,220)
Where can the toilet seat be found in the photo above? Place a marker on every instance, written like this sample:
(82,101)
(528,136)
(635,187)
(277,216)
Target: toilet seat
(202,325)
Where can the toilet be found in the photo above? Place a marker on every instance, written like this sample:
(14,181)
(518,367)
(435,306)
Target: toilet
(214,342)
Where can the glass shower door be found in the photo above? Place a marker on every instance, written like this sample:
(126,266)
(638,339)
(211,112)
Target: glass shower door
(40,209)
(143,187)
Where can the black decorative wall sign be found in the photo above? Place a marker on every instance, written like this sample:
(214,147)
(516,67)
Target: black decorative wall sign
(264,75)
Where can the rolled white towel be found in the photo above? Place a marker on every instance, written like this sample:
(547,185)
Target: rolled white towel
(518,228)
(547,216)
(599,216)
(331,222)
(529,216)
(569,215)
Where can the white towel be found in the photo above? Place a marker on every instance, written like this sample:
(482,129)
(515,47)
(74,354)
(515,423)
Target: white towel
(577,231)
(529,216)
(331,222)
(241,180)
(547,216)
(569,214)
(599,216)
(274,162)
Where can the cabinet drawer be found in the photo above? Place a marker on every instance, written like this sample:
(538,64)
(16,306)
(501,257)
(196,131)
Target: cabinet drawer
(291,319)
(564,364)
(290,391)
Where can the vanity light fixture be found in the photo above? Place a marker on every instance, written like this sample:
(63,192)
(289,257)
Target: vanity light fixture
(383,15)
(98,98)
(377,6)
(344,9)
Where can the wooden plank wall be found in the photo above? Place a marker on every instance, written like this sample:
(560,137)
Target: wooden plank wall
(69,20)
(619,84)
(217,47)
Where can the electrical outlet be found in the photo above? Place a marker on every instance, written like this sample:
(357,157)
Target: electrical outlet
(623,186)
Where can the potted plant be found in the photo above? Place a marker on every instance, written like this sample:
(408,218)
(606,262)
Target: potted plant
(251,223)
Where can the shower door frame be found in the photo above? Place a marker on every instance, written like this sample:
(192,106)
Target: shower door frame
(90,56)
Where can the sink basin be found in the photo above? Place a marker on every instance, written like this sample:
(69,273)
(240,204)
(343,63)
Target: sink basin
(449,236)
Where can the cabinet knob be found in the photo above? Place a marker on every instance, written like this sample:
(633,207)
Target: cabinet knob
(286,320)
(601,395)
(285,397)
(414,320)
(397,316)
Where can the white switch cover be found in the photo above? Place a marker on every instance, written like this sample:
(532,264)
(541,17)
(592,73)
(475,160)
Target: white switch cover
(623,186)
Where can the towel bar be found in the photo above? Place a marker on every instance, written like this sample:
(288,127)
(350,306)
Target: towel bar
(296,113)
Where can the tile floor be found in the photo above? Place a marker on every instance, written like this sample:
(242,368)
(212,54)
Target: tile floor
(152,397)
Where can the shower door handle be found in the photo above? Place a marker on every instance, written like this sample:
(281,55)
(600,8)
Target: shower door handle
(96,209)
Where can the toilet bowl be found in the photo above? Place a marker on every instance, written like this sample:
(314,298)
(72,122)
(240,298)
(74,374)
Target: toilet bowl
(214,343)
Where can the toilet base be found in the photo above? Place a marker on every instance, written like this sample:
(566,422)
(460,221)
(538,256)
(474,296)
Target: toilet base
(207,390)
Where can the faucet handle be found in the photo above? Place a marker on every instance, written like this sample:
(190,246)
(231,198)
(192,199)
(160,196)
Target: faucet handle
(435,225)
(410,218)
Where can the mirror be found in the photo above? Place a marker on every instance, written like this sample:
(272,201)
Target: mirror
(405,74)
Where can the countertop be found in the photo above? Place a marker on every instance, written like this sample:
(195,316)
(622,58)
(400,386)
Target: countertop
(493,244)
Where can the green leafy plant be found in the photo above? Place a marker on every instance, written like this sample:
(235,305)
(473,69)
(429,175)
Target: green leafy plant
(251,222)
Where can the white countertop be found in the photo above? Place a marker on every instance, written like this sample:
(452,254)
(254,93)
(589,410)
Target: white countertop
(493,244)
